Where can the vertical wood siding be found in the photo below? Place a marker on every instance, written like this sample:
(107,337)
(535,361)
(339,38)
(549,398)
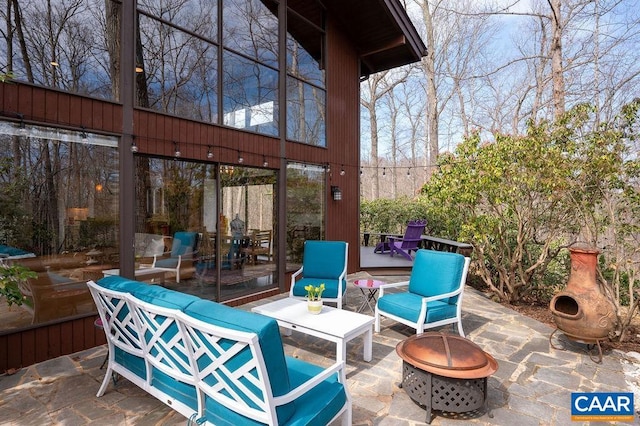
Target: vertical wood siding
(28,346)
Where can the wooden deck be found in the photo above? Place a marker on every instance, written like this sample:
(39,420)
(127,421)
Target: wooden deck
(380,261)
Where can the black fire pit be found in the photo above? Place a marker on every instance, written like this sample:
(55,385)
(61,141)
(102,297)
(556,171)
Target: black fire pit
(445,372)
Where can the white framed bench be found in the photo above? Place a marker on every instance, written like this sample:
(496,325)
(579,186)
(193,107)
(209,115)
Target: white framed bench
(212,363)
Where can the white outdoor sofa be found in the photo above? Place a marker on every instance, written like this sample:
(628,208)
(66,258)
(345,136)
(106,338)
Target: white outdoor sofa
(212,363)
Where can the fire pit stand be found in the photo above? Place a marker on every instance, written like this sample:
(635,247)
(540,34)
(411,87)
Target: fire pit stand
(594,350)
(445,372)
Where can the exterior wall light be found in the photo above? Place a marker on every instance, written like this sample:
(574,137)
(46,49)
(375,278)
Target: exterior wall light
(336,192)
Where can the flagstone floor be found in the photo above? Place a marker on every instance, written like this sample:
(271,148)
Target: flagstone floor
(532,386)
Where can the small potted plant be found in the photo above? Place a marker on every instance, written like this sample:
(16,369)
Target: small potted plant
(314,298)
(10,277)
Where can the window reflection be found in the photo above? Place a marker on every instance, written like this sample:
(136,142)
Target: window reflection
(209,229)
(251,28)
(305,208)
(305,51)
(177,72)
(198,16)
(61,54)
(306,97)
(250,95)
(305,113)
(58,218)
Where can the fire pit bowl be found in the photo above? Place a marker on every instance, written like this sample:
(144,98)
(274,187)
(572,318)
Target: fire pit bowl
(445,372)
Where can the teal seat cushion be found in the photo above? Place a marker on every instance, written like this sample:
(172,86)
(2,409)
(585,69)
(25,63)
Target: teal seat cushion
(133,363)
(315,408)
(407,306)
(268,333)
(170,262)
(319,405)
(183,392)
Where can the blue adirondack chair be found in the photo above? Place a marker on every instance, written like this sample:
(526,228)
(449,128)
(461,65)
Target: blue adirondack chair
(410,241)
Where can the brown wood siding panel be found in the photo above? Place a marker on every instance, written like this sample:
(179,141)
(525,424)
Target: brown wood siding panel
(86,115)
(343,141)
(42,345)
(28,347)
(78,335)
(155,133)
(52,107)
(66,332)
(38,106)
(54,334)
(14,353)
(63,103)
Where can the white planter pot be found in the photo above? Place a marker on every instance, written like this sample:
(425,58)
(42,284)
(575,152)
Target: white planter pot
(314,306)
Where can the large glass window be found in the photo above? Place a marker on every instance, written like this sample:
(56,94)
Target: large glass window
(206,229)
(58,218)
(250,95)
(177,71)
(306,113)
(306,96)
(61,44)
(305,208)
(251,28)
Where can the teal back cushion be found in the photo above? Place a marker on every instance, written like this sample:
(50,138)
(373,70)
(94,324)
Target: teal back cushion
(324,259)
(118,283)
(435,273)
(164,297)
(270,343)
(183,243)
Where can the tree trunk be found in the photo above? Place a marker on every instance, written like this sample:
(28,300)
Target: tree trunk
(557,70)
(432,97)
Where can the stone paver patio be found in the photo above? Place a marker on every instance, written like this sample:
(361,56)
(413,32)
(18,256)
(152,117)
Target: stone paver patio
(532,386)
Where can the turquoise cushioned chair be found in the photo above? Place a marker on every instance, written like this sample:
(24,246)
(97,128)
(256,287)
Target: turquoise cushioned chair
(322,262)
(183,247)
(433,297)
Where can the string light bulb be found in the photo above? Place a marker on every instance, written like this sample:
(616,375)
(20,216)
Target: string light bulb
(134,147)
(240,157)
(22,129)
(177,152)
(209,152)
(265,163)
(342,172)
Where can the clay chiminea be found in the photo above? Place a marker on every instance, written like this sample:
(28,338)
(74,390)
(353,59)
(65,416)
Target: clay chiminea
(581,311)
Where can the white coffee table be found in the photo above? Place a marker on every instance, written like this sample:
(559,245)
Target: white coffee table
(335,325)
(150,275)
